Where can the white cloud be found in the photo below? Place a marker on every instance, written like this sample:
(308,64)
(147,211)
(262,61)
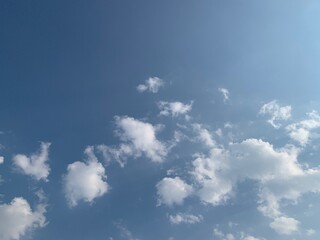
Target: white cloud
(203,135)
(35,165)
(228,125)
(85,180)
(301,131)
(174,108)
(125,233)
(285,225)
(1,159)
(222,236)
(172,191)
(229,236)
(248,237)
(276,112)
(277,171)
(152,84)
(311,232)
(185,218)
(17,218)
(225,94)
(138,138)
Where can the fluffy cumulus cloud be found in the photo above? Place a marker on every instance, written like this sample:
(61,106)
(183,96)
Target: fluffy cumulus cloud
(172,191)
(85,181)
(301,131)
(278,172)
(174,108)
(138,138)
(276,113)
(17,218)
(35,165)
(152,84)
(225,93)
(285,225)
(1,159)
(185,218)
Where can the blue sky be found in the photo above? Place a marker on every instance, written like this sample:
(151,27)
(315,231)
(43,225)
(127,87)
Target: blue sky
(127,120)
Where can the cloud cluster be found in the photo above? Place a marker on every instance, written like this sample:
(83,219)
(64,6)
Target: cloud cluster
(17,218)
(152,84)
(36,164)
(276,113)
(174,108)
(278,172)
(138,138)
(217,174)
(85,181)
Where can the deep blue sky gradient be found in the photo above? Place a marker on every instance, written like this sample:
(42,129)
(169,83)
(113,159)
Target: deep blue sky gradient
(68,67)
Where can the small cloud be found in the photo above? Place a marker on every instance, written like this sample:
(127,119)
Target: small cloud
(225,94)
(223,236)
(185,218)
(172,191)
(276,112)
(284,225)
(152,84)
(174,108)
(35,165)
(138,138)
(248,237)
(301,131)
(124,232)
(85,180)
(1,159)
(232,236)
(311,232)
(228,125)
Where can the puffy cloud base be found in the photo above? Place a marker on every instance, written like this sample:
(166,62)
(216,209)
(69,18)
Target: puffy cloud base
(17,218)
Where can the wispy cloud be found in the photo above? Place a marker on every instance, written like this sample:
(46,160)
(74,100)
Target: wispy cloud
(225,94)
(152,84)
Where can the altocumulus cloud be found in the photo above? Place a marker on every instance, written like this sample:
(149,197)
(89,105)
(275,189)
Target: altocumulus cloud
(36,164)
(85,181)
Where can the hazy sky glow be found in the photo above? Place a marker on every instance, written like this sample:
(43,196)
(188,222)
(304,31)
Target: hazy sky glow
(159,120)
